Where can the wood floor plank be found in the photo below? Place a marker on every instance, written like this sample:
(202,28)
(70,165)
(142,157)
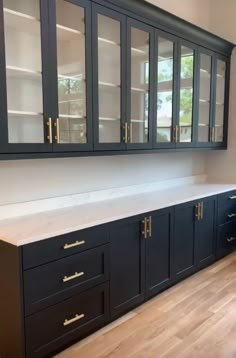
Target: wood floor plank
(194,319)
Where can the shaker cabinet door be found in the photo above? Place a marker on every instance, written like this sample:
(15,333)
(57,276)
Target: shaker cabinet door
(109,79)
(71,58)
(127,265)
(25,101)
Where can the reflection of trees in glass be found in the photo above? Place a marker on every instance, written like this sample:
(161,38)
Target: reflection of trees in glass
(71,89)
(186,94)
(162,138)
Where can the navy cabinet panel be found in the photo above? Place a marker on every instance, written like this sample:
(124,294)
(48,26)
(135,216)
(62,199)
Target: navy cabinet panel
(159,252)
(206,233)
(184,240)
(127,265)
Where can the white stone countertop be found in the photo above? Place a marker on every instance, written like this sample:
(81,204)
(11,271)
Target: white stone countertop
(32,228)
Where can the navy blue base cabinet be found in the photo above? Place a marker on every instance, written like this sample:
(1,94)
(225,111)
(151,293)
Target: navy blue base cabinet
(57,291)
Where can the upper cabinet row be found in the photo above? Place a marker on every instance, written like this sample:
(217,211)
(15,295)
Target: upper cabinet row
(78,76)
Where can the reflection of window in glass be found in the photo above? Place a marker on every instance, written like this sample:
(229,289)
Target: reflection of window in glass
(165,90)
(186,94)
(67,87)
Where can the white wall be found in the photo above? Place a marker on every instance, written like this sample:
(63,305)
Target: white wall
(222,165)
(194,11)
(35,179)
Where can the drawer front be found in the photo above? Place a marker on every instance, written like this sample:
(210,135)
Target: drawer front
(51,283)
(65,245)
(226,240)
(226,207)
(53,329)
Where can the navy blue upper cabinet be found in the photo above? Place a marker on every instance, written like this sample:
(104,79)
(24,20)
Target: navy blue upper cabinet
(71,77)
(103,75)
(25,72)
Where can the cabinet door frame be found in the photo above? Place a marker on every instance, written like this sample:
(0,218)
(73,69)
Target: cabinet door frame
(204,51)
(168,37)
(5,146)
(195,90)
(227,60)
(75,147)
(141,26)
(98,9)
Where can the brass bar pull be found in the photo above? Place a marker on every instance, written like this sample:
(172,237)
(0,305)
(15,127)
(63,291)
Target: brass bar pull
(198,214)
(213,134)
(149,230)
(125,137)
(57,125)
(73,277)
(49,124)
(230,239)
(230,216)
(232,197)
(202,211)
(144,232)
(131,133)
(174,134)
(70,246)
(77,317)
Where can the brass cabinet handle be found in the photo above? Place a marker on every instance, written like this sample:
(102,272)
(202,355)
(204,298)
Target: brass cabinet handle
(74,244)
(230,216)
(73,277)
(77,317)
(57,126)
(177,134)
(202,210)
(49,124)
(144,232)
(174,134)
(125,137)
(230,239)
(131,133)
(232,197)
(198,211)
(149,229)
(213,134)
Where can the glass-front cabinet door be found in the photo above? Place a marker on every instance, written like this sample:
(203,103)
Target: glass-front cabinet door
(185,122)
(165,89)
(139,78)
(205,61)
(220,102)
(109,79)
(27,113)
(71,51)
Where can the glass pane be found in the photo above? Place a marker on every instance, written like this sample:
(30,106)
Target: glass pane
(204,98)
(139,85)
(24,71)
(186,94)
(220,100)
(71,73)
(165,90)
(109,80)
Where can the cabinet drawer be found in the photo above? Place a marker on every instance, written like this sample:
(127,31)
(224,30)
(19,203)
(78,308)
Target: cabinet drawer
(225,215)
(226,240)
(65,245)
(51,283)
(56,327)
(226,200)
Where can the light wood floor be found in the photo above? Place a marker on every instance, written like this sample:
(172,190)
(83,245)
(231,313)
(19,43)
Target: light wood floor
(194,319)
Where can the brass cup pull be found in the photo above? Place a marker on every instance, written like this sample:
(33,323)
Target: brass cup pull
(57,126)
(230,216)
(73,277)
(232,197)
(74,244)
(49,136)
(77,317)
(230,239)
(144,232)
